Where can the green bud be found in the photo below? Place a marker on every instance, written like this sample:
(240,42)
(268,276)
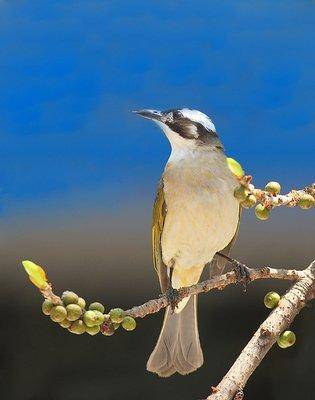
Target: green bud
(47,306)
(286,339)
(58,313)
(74,312)
(81,302)
(129,323)
(99,317)
(117,315)
(77,327)
(89,318)
(69,298)
(249,202)
(261,212)
(307,201)
(235,167)
(273,187)
(97,306)
(65,323)
(271,299)
(240,193)
(92,330)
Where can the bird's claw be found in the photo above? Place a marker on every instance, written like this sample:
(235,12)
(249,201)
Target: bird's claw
(242,274)
(173,297)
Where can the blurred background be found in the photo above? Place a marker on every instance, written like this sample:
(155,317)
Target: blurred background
(78,174)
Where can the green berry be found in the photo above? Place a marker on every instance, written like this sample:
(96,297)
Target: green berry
(89,318)
(281,343)
(92,330)
(240,193)
(249,202)
(129,323)
(273,187)
(81,302)
(65,323)
(117,315)
(307,201)
(77,327)
(97,306)
(58,313)
(47,306)
(271,299)
(261,212)
(74,312)
(99,317)
(69,298)
(286,339)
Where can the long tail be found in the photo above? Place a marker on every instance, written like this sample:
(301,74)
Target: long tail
(178,347)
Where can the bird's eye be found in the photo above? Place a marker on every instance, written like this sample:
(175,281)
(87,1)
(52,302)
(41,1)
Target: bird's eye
(177,114)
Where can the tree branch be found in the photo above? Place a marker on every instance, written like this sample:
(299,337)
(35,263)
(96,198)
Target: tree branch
(252,355)
(302,291)
(218,282)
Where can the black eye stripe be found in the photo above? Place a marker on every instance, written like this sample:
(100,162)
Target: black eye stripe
(188,129)
(183,127)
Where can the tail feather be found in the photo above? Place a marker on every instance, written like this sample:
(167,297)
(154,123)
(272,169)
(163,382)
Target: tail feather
(178,347)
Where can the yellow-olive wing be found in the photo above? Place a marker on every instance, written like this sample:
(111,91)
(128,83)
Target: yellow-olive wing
(159,214)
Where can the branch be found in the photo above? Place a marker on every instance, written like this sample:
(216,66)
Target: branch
(270,200)
(252,355)
(218,282)
(231,386)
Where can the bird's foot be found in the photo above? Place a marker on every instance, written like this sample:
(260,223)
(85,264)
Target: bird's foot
(173,297)
(242,274)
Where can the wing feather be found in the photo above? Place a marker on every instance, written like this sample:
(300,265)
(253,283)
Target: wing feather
(159,214)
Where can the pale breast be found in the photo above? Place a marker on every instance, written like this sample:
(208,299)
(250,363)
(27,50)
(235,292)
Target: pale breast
(202,213)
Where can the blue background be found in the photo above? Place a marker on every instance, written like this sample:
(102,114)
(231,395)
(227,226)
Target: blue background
(71,71)
(78,174)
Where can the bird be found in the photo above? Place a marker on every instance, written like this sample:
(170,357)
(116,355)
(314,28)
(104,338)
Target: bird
(195,215)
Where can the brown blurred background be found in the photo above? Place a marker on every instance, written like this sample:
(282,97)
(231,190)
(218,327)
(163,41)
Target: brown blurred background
(107,257)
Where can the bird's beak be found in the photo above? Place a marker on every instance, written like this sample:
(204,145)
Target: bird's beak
(151,114)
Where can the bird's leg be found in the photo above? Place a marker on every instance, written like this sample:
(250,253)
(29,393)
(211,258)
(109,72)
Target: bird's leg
(172,294)
(241,270)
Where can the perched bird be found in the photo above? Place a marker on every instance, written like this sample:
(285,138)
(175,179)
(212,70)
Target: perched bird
(195,215)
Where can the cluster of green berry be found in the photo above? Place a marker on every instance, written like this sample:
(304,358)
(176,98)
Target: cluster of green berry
(73,315)
(248,200)
(287,338)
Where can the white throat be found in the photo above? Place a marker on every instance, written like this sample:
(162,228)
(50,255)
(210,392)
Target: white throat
(181,148)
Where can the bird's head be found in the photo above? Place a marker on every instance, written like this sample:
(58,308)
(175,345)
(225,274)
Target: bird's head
(185,128)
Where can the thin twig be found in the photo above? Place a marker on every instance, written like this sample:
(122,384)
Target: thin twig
(218,282)
(290,199)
